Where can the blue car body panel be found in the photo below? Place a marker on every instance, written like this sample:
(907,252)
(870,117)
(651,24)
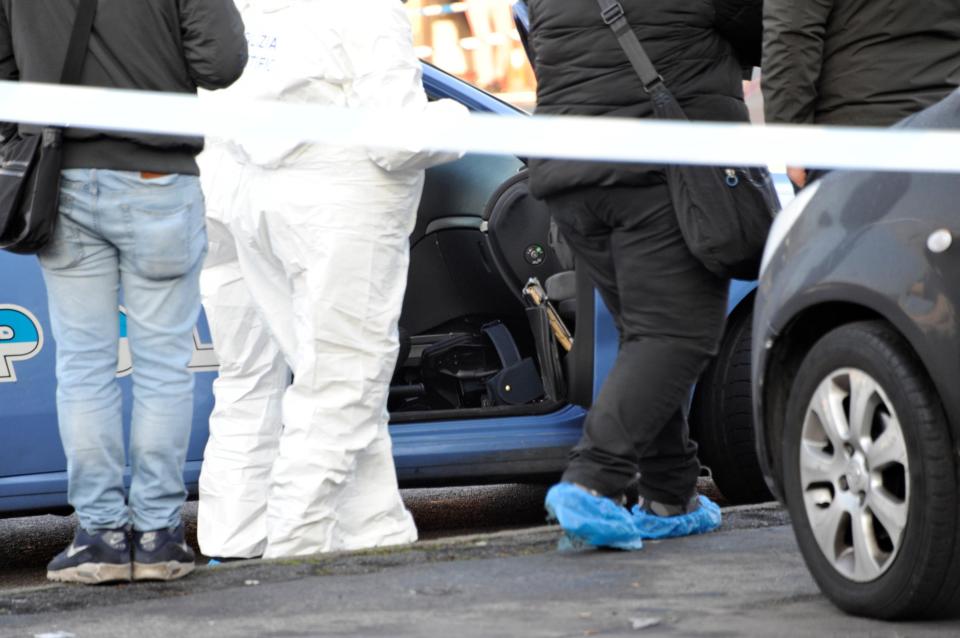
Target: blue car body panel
(439,84)
(32,463)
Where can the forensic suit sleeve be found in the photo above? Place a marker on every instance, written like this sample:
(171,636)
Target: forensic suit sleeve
(385,74)
(793,42)
(8,67)
(214,44)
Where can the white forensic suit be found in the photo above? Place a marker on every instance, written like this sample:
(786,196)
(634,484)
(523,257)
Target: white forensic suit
(306,274)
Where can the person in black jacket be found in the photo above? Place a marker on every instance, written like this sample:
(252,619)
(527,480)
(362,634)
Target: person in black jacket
(131,221)
(622,227)
(856,62)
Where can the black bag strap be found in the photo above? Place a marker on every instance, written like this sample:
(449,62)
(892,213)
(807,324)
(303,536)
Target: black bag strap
(614,17)
(79,41)
(502,342)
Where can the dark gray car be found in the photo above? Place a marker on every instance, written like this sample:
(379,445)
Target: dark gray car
(856,383)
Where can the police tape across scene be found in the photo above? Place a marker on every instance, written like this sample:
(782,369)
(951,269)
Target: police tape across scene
(568,137)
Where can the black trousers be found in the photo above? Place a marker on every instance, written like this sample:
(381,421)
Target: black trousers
(670,311)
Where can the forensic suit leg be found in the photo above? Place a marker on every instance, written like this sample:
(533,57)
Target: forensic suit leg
(343,251)
(246,420)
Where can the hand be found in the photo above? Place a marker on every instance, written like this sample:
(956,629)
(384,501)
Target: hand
(797,175)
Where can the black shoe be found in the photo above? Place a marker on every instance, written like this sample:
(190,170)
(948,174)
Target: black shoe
(664,509)
(93,558)
(161,555)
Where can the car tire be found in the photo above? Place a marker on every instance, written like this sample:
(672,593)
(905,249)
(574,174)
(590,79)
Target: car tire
(849,494)
(722,417)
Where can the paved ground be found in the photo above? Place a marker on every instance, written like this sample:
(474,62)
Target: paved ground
(28,543)
(747,579)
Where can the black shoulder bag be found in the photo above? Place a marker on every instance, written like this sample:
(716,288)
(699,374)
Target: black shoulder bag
(30,163)
(723,213)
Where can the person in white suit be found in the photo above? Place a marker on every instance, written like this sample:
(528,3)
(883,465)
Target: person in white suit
(309,247)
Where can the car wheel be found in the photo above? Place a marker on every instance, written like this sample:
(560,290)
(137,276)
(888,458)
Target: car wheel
(722,418)
(870,477)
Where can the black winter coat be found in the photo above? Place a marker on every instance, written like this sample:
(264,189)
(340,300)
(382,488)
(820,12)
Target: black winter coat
(857,62)
(581,70)
(154,45)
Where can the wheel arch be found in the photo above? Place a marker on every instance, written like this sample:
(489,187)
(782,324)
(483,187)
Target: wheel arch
(721,417)
(788,350)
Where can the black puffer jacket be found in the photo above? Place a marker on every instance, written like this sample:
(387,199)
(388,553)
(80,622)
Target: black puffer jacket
(581,70)
(857,62)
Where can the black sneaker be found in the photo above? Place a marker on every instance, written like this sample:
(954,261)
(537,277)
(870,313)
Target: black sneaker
(93,558)
(161,555)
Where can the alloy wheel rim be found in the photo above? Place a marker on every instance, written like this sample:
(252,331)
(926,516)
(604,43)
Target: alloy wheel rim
(854,474)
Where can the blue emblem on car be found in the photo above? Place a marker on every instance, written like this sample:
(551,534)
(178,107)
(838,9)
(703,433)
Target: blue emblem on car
(21,338)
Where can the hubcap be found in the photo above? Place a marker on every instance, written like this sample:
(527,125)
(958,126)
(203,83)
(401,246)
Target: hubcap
(854,474)
(857,477)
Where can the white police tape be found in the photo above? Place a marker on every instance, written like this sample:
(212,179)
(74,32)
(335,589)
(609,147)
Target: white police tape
(583,138)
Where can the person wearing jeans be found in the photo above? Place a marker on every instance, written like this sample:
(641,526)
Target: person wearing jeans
(131,231)
(119,232)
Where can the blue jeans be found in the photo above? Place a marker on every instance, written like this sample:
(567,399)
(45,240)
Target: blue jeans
(146,237)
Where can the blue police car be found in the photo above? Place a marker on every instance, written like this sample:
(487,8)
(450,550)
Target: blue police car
(483,391)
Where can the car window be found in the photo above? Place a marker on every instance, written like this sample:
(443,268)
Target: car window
(477,41)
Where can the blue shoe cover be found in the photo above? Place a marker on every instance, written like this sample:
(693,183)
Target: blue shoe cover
(589,520)
(705,518)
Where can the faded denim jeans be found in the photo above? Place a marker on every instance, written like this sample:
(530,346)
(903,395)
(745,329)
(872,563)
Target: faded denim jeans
(118,231)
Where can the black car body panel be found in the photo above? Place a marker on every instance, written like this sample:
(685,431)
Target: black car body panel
(859,250)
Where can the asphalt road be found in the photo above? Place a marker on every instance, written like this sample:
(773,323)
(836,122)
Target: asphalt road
(28,543)
(746,580)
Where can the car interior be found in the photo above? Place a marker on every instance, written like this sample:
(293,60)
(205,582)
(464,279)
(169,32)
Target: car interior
(471,343)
